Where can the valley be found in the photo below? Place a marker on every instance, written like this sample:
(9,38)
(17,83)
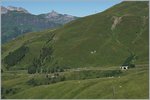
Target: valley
(100,56)
(77,84)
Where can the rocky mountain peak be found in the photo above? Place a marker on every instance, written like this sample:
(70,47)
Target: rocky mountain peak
(55,16)
(52,14)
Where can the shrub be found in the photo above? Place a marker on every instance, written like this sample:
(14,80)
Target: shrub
(63,78)
(55,69)
(61,70)
(32,82)
(53,80)
(131,65)
(31,69)
(129,60)
(3,97)
(2,71)
(7,91)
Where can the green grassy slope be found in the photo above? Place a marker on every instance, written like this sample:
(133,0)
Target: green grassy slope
(34,41)
(113,35)
(134,85)
(77,39)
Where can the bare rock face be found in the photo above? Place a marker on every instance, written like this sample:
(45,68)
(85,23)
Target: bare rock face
(4,10)
(117,20)
(11,8)
(59,18)
(52,14)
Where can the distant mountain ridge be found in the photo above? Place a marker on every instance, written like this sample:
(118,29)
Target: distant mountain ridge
(17,21)
(58,18)
(5,10)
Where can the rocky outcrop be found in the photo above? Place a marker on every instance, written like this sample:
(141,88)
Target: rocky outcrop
(117,20)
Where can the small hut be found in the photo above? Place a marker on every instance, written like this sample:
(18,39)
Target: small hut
(124,67)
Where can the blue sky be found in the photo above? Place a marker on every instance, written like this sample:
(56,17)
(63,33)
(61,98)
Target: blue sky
(72,7)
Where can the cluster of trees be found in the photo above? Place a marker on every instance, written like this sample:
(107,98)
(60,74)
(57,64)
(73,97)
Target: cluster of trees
(55,69)
(90,74)
(14,57)
(33,69)
(45,53)
(38,64)
(47,80)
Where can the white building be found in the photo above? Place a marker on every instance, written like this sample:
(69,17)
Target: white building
(124,67)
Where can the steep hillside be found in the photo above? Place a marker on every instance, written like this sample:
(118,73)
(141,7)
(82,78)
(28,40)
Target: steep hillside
(104,39)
